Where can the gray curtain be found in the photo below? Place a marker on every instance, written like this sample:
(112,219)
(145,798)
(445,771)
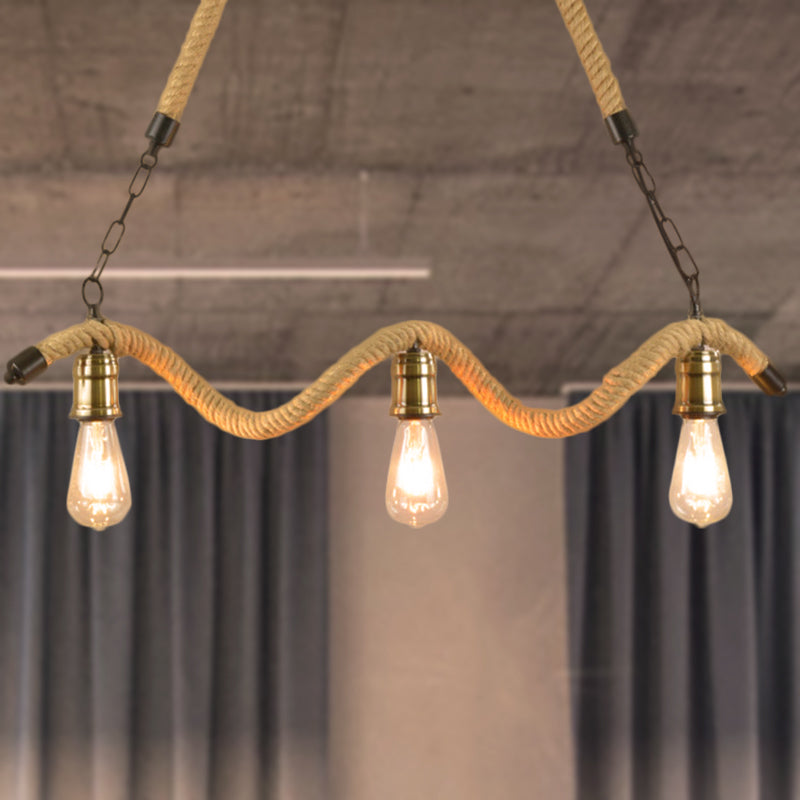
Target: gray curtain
(182,654)
(685,644)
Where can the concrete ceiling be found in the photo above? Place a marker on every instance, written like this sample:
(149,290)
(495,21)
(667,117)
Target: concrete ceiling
(485,154)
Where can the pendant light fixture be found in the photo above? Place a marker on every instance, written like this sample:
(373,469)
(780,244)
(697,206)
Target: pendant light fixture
(416,488)
(99,493)
(700,490)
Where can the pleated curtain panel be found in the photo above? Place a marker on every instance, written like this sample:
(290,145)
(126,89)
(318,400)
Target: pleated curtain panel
(181,655)
(685,643)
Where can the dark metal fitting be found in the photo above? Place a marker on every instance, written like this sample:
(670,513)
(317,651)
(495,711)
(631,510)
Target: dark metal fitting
(621,127)
(162,129)
(770,381)
(25,366)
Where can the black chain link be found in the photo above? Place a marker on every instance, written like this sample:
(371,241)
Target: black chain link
(678,251)
(116,230)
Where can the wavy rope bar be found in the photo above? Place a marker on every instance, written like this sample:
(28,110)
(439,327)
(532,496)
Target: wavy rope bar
(617,386)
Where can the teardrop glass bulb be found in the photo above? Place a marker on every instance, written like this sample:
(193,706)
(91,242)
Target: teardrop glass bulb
(99,494)
(416,489)
(700,491)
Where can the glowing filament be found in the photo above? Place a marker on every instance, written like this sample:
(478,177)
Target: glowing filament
(99,494)
(700,491)
(416,489)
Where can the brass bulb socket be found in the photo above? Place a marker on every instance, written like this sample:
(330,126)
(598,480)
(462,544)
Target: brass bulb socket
(698,392)
(414,394)
(95,387)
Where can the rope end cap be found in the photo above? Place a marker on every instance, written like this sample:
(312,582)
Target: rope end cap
(25,366)
(621,126)
(770,381)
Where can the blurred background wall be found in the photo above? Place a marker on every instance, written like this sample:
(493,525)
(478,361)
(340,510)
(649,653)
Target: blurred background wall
(448,644)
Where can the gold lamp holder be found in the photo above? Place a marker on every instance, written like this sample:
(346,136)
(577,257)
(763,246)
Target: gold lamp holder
(95,386)
(414,394)
(698,392)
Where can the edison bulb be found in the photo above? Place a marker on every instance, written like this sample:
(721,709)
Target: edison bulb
(700,491)
(416,489)
(99,494)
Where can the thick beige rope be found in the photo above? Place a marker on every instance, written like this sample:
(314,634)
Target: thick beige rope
(181,80)
(590,51)
(207,16)
(617,386)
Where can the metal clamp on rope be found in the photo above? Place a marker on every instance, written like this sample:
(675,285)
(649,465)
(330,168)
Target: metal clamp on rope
(162,129)
(621,127)
(25,366)
(770,381)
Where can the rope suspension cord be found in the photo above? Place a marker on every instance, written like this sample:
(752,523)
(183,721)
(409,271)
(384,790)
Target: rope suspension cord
(623,131)
(209,12)
(193,52)
(594,59)
(617,386)
(595,62)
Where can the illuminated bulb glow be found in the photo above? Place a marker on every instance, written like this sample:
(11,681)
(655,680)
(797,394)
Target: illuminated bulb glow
(99,494)
(416,489)
(700,491)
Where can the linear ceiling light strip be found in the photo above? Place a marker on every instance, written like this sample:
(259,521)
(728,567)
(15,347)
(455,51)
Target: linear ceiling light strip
(289,272)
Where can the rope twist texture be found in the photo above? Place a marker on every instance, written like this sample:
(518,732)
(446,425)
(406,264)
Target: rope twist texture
(594,59)
(617,386)
(193,51)
(207,16)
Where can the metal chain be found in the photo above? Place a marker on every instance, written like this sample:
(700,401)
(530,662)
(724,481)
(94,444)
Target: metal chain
(115,232)
(678,251)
